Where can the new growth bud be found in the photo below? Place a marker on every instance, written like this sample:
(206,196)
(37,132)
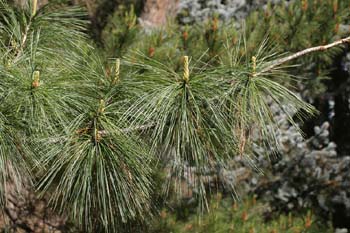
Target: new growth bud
(185,35)
(254,65)
(102,106)
(186,76)
(35,5)
(36,79)
(116,71)
(304,5)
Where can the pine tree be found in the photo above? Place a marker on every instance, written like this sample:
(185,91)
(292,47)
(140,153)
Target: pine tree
(91,133)
(59,105)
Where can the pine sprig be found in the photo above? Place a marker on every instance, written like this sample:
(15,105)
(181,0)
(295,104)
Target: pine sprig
(97,177)
(91,126)
(189,129)
(98,172)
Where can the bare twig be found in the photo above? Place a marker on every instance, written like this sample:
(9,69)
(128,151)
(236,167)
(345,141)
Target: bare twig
(301,53)
(26,31)
(131,129)
(23,41)
(138,128)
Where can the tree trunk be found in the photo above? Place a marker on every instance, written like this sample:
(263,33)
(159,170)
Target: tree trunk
(156,12)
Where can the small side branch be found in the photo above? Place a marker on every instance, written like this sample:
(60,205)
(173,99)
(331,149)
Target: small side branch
(138,128)
(23,41)
(302,53)
(131,129)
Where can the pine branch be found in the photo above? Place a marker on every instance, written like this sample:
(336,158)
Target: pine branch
(26,31)
(301,53)
(130,129)
(138,128)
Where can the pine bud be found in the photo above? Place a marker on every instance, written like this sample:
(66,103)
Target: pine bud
(13,44)
(98,136)
(102,106)
(186,76)
(304,5)
(244,216)
(8,63)
(189,227)
(116,71)
(235,206)
(254,65)
(215,24)
(151,51)
(308,220)
(35,5)
(336,28)
(36,79)
(185,35)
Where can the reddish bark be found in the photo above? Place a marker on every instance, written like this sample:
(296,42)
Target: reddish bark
(156,12)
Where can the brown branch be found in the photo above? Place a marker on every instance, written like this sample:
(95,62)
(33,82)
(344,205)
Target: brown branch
(26,31)
(156,12)
(138,128)
(23,41)
(302,53)
(131,129)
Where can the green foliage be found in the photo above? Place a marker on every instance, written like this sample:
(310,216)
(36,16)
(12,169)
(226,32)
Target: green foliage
(291,27)
(120,31)
(59,104)
(27,106)
(239,217)
(99,133)
(302,24)
(28,49)
(187,125)
(99,175)
(97,170)
(203,115)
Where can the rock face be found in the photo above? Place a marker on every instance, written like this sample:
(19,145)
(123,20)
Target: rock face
(308,173)
(156,12)
(191,11)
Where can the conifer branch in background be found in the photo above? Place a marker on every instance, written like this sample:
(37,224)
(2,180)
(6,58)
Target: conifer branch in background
(281,61)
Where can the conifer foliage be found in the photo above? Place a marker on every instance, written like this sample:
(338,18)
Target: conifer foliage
(89,136)
(59,120)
